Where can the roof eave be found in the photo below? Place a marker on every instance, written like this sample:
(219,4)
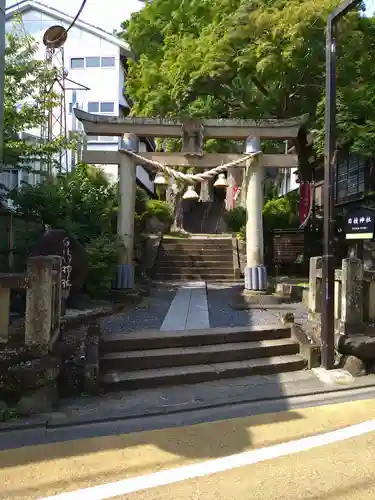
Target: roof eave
(31,4)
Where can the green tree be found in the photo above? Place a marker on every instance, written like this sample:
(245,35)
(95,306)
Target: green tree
(26,102)
(83,202)
(249,59)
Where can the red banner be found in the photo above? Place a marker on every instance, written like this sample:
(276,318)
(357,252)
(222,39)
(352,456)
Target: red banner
(305,200)
(235,193)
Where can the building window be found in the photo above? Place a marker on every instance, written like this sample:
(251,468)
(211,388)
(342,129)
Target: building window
(92,62)
(95,138)
(107,107)
(70,108)
(101,107)
(77,62)
(93,107)
(108,62)
(350,178)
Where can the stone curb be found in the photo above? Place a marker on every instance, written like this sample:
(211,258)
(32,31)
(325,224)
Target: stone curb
(290,391)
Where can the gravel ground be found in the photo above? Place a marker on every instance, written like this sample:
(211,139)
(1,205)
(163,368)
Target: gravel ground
(151,312)
(221,314)
(148,315)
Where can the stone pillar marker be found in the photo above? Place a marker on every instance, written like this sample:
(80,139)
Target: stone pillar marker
(315,287)
(125,217)
(352,294)
(255,271)
(38,318)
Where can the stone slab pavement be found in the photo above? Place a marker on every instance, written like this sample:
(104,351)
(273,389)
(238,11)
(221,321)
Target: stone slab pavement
(153,310)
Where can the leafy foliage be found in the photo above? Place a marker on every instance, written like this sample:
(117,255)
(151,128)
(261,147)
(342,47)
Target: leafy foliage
(279,213)
(235,219)
(251,59)
(84,203)
(26,102)
(159,209)
(102,254)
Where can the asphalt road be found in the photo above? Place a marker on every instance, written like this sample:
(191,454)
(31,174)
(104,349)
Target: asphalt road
(233,459)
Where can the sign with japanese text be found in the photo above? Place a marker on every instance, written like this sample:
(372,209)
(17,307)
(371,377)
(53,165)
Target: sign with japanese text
(360,225)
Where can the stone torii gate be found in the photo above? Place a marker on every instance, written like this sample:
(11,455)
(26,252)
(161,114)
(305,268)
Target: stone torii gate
(193,134)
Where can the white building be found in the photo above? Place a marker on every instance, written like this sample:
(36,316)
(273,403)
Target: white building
(96,62)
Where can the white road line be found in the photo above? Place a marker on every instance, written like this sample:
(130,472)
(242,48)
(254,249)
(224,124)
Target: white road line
(171,476)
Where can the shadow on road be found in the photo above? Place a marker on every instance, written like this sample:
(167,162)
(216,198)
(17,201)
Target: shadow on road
(209,440)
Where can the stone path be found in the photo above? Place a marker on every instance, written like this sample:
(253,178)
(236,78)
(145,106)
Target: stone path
(189,309)
(149,314)
(176,307)
(221,314)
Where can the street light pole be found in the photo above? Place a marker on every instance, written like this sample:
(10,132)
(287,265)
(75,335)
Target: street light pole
(328,269)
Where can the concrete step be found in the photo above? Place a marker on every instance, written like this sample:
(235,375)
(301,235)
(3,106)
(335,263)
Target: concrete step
(155,339)
(198,267)
(195,261)
(180,257)
(196,355)
(198,245)
(115,380)
(206,276)
(212,252)
(197,241)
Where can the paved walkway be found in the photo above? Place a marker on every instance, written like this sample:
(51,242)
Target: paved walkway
(192,305)
(189,309)
(305,454)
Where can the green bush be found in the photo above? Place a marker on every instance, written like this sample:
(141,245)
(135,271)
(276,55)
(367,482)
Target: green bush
(102,255)
(141,199)
(279,213)
(160,209)
(235,219)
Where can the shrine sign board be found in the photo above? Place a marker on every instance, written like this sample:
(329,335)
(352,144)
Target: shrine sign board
(288,247)
(360,224)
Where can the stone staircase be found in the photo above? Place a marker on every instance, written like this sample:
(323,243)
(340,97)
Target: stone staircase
(148,359)
(205,218)
(195,258)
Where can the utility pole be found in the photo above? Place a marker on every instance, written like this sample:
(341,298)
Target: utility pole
(2,70)
(328,269)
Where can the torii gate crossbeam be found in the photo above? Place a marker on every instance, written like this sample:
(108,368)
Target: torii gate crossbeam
(193,134)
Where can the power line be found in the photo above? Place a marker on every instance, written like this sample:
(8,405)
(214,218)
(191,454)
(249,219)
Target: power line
(51,42)
(77,15)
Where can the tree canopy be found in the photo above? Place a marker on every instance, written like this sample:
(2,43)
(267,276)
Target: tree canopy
(251,59)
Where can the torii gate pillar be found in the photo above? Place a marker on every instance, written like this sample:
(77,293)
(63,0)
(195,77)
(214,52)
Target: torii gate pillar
(255,271)
(126,209)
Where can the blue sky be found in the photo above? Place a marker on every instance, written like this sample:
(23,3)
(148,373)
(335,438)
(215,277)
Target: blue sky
(115,10)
